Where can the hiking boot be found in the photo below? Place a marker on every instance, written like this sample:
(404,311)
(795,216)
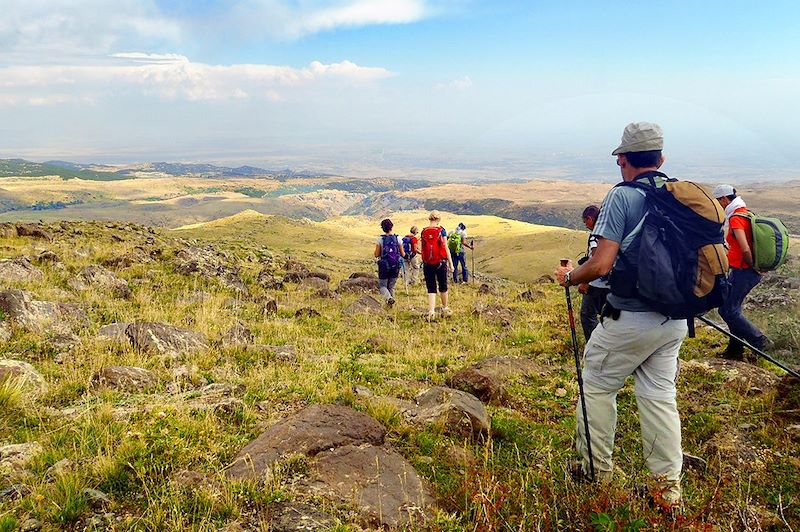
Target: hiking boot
(390,302)
(578,475)
(665,495)
(763,343)
(734,351)
(446,312)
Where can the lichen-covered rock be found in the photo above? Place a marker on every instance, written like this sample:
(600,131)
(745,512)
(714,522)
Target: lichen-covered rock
(165,339)
(365,304)
(238,335)
(95,277)
(125,379)
(41,316)
(454,410)
(33,230)
(20,270)
(358,284)
(486,378)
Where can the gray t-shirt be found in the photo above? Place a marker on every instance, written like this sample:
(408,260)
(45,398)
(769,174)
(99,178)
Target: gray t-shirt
(622,211)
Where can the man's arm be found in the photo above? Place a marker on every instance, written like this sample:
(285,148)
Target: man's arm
(598,265)
(747,253)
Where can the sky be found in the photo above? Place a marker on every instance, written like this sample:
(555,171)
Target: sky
(402,87)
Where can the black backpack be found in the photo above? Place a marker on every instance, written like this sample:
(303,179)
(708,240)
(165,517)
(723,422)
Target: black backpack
(682,263)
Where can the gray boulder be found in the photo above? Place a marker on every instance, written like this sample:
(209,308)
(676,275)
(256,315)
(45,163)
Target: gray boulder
(314,283)
(313,430)
(165,339)
(95,277)
(31,380)
(349,463)
(486,378)
(358,284)
(455,411)
(41,316)
(33,230)
(125,379)
(365,304)
(19,270)
(238,335)
(114,332)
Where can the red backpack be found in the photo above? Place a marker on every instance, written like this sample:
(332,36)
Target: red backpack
(434,250)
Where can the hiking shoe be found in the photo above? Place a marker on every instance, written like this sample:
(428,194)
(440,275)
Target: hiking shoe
(390,302)
(430,316)
(578,475)
(446,312)
(734,351)
(763,343)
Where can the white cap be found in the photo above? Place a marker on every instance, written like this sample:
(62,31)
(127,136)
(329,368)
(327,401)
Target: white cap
(724,190)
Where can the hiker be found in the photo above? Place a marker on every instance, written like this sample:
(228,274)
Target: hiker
(632,339)
(388,254)
(743,277)
(457,242)
(437,262)
(411,250)
(594,292)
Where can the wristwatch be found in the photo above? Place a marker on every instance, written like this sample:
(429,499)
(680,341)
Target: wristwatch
(567,279)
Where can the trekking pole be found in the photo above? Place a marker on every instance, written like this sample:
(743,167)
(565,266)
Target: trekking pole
(747,344)
(472,252)
(580,377)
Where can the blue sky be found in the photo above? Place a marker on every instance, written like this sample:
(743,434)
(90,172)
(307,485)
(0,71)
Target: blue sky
(399,86)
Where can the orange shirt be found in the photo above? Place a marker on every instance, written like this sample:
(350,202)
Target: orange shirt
(735,256)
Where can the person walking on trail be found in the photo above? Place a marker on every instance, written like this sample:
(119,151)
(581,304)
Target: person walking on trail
(594,292)
(743,277)
(388,254)
(412,255)
(632,339)
(457,242)
(437,262)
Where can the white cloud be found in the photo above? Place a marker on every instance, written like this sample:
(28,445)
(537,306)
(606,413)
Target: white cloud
(41,31)
(460,84)
(174,76)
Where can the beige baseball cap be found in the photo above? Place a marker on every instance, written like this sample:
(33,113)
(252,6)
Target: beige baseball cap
(640,136)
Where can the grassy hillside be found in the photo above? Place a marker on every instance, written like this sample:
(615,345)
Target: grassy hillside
(139,447)
(503,248)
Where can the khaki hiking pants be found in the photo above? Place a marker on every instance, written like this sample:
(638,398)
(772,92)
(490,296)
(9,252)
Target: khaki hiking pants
(645,345)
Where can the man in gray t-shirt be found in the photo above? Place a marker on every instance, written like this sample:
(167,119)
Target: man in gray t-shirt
(632,339)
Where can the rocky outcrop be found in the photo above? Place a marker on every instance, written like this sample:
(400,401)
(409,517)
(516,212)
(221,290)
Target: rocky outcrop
(238,335)
(209,263)
(358,284)
(217,397)
(365,304)
(14,459)
(165,339)
(114,332)
(298,517)
(33,230)
(125,379)
(349,462)
(314,283)
(41,316)
(95,277)
(19,270)
(486,378)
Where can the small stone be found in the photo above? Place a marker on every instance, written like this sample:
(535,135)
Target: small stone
(96,498)
(59,468)
(363,391)
(746,427)
(15,491)
(561,392)
(31,525)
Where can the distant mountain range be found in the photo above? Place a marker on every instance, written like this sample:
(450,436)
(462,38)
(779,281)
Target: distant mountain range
(97,172)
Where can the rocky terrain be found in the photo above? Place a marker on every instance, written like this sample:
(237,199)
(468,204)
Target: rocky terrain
(158,380)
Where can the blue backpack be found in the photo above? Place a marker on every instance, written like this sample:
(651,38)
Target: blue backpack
(408,246)
(390,251)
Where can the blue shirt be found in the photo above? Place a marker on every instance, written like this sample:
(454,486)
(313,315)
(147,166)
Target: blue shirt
(622,212)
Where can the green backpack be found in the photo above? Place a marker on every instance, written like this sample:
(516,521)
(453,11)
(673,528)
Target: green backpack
(454,243)
(770,241)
